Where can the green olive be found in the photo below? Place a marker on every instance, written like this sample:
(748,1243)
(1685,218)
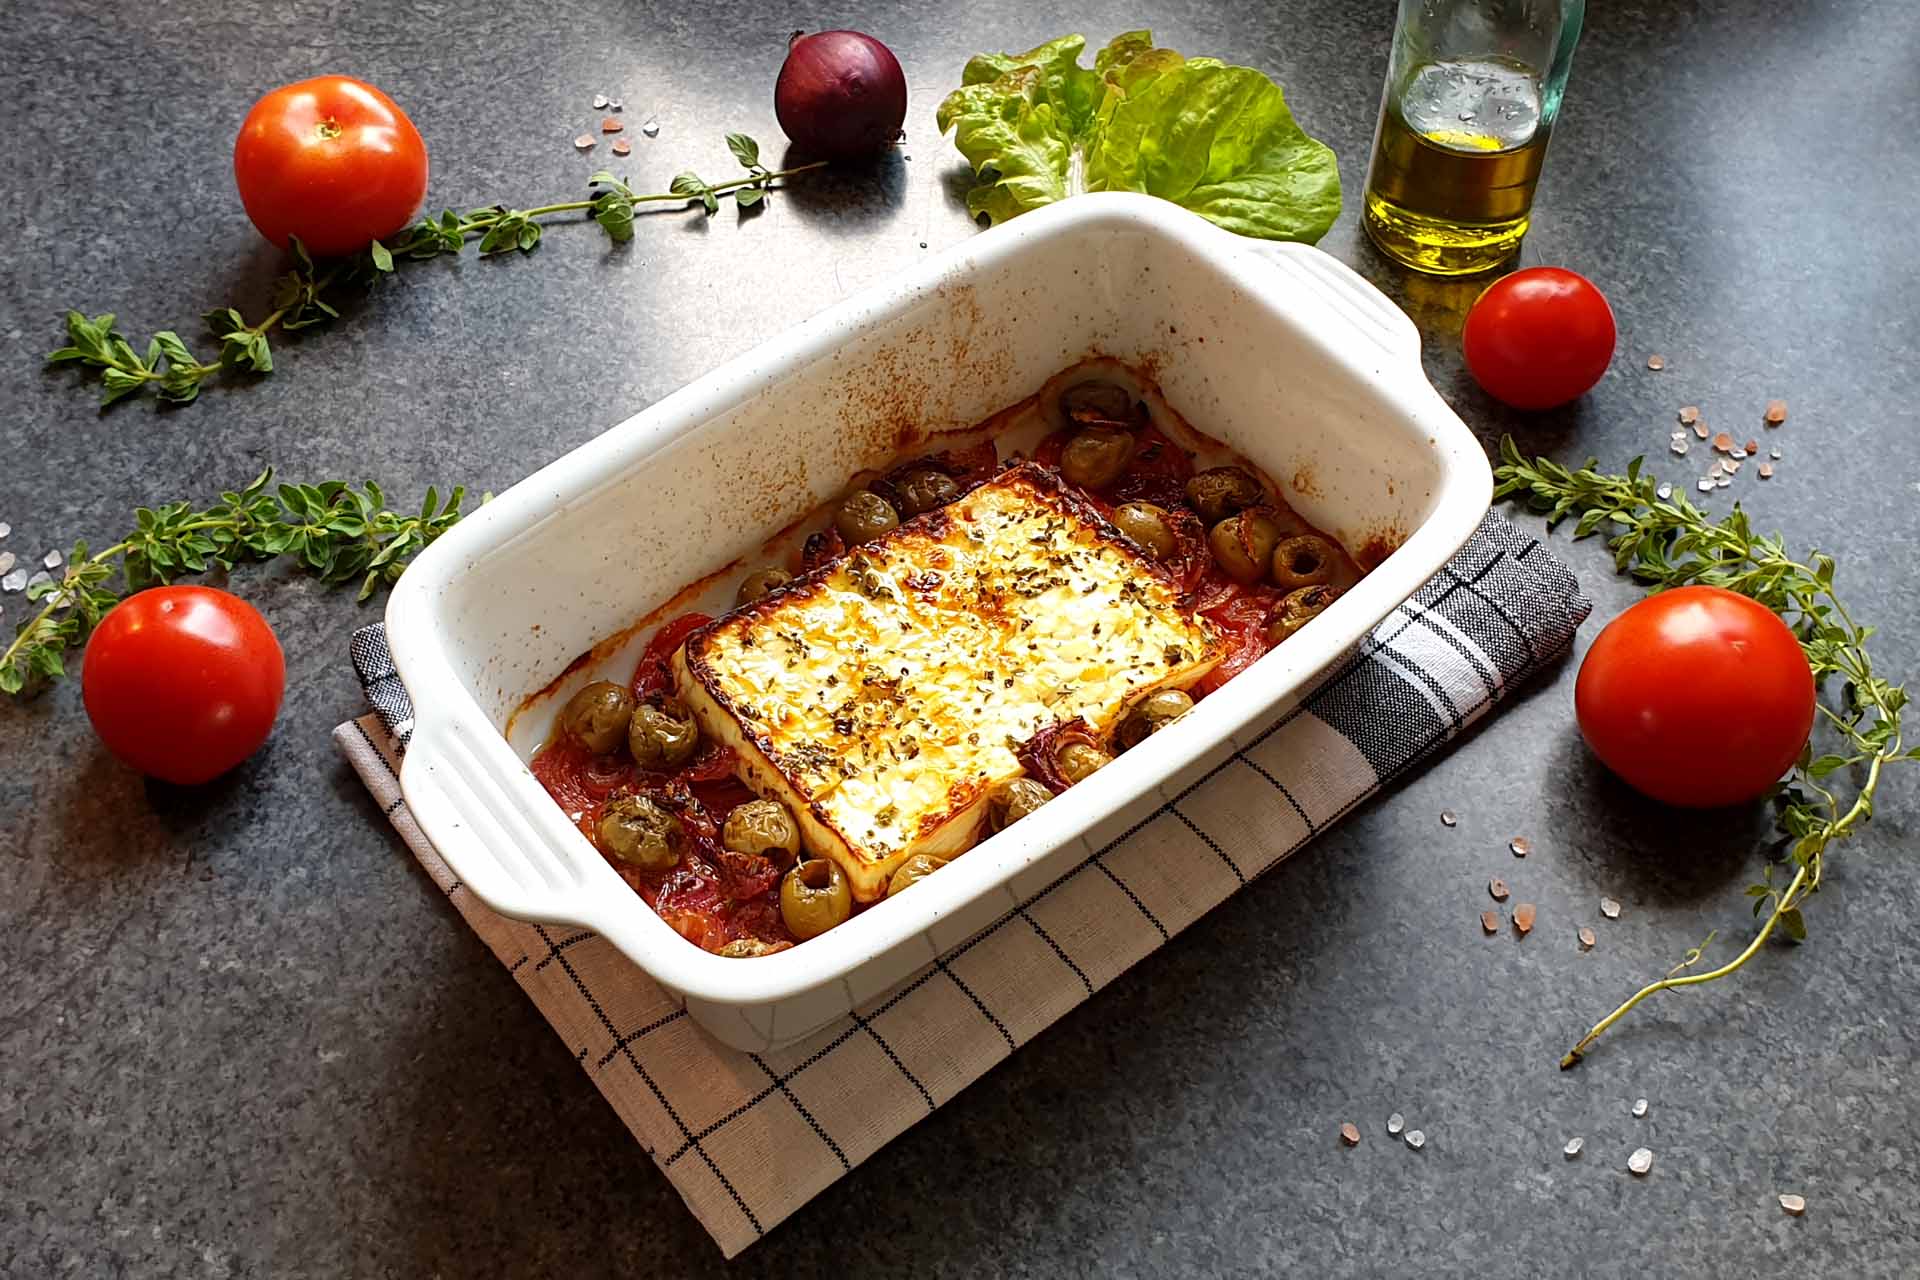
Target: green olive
(1221,491)
(596,716)
(864,516)
(742,948)
(1147,525)
(1303,561)
(1013,800)
(760,582)
(814,897)
(912,871)
(1095,401)
(1296,609)
(924,490)
(1243,545)
(634,829)
(1096,456)
(1160,709)
(761,826)
(663,736)
(1079,761)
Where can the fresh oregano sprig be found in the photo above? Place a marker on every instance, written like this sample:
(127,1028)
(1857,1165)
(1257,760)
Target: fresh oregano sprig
(1669,542)
(332,530)
(175,374)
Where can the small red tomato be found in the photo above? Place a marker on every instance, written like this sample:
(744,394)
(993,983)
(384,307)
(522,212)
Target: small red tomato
(332,161)
(1539,337)
(1697,697)
(183,683)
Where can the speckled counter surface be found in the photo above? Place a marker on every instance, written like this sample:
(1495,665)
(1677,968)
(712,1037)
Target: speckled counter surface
(240,1033)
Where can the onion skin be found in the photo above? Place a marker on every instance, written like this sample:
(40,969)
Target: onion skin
(841,95)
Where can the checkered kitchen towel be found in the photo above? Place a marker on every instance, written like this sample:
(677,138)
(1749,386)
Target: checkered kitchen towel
(747,1138)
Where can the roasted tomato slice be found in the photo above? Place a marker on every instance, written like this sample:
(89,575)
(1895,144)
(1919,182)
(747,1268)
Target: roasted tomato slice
(654,675)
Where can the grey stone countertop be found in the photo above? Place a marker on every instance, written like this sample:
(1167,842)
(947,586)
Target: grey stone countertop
(241,1034)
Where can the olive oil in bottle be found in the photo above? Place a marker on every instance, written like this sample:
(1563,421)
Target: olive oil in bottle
(1455,159)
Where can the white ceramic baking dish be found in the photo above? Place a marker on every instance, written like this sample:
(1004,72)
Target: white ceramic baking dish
(1276,349)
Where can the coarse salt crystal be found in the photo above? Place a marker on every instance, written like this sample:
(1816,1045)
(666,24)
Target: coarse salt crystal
(1640,1162)
(1703,485)
(1523,917)
(1416,1139)
(1587,938)
(1663,492)
(1350,1134)
(1795,1205)
(1573,1148)
(1776,412)
(1690,414)
(1609,908)
(1766,471)
(584,142)
(14,581)
(1490,921)
(1396,1122)
(1521,846)
(1448,818)
(1679,445)
(1656,362)
(1498,888)
(599,101)
(6,560)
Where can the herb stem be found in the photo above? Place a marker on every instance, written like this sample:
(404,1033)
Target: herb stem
(1787,901)
(300,298)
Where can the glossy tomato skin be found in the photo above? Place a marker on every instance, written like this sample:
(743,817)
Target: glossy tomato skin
(1697,697)
(183,683)
(331,160)
(1539,337)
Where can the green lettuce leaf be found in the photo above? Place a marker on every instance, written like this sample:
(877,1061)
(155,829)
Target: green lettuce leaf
(1212,138)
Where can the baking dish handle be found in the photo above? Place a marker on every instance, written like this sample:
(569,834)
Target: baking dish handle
(1350,293)
(460,782)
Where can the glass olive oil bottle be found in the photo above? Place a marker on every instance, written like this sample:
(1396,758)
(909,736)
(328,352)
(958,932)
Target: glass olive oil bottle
(1462,135)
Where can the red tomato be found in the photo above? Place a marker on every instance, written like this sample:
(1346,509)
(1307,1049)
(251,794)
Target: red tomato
(1539,337)
(1697,697)
(331,160)
(183,683)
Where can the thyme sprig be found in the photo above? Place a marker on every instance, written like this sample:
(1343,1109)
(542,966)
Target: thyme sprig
(1668,542)
(170,369)
(334,531)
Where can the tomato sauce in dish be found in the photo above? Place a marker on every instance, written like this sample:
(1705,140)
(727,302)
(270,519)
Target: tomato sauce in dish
(730,902)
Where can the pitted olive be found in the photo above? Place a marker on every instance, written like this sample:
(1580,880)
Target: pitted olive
(663,735)
(925,490)
(1219,492)
(864,516)
(1303,561)
(1096,456)
(596,717)
(760,582)
(762,826)
(636,830)
(1147,525)
(1079,761)
(1013,800)
(1297,609)
(1243,545)
(814,897)
(1159,710)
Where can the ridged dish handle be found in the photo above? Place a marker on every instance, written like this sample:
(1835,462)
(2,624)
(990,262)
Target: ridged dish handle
(1347,291)
(458,779)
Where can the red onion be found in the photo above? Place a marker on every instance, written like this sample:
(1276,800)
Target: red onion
(840,95)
